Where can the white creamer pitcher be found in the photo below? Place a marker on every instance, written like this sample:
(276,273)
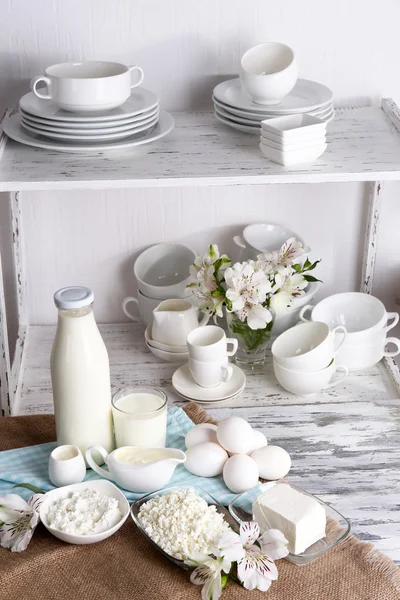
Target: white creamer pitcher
(138,469)
(80,374)
(174,320)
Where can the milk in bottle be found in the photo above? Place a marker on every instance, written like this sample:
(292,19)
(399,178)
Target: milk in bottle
(80,374)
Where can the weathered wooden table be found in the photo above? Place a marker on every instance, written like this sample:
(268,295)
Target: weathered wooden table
(344,443)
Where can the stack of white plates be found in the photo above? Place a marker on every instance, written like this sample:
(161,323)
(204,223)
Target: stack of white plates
(234,107)
(42,124)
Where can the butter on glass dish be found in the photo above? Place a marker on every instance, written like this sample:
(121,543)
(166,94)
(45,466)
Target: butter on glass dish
(250,505)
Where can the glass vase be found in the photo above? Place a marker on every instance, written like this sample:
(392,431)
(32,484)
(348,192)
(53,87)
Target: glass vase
(252,343)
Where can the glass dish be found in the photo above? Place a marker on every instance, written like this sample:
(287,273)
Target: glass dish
(337,526)
(135,507)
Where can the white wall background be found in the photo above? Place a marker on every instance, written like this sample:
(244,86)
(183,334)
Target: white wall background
(185,47)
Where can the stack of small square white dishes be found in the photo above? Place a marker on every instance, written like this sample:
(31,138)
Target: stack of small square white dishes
(293,139)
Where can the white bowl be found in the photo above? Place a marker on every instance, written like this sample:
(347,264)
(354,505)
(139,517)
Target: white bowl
(269,72)
(162,271)
(103,487)
(160,346)
(291,317)
(303,383)
(264,237)
(175,357)
(294,157)
(284,147)
(295,128)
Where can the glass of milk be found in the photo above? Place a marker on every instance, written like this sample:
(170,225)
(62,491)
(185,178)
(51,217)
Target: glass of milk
(140,417)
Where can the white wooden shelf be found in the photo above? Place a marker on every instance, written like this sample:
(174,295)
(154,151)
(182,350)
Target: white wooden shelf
(363,145)
(344,442)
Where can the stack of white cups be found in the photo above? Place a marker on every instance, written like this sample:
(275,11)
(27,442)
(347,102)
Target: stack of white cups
(209,350)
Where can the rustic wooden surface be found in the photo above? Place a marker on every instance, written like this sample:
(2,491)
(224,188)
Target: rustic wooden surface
(363,145)
(344,442)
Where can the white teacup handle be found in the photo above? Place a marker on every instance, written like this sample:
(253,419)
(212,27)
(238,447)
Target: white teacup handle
(141,75)
(303,311)
(239,241)
(395,317)
(226,372)
(339,329)
(396,342)
(95,466)
(333,383)
(34,89)
(204,320)
(231,342)
(126,311)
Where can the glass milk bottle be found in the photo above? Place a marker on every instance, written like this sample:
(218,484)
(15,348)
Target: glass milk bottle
(80,374)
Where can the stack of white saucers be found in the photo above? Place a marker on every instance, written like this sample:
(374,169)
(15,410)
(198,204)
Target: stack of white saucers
(293,139)
(234,106)
(43,124)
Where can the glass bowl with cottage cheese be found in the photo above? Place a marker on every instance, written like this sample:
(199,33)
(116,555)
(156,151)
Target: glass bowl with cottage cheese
(84,513)
(181,519)
(311,526)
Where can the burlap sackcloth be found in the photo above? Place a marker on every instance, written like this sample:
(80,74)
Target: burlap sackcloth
(127,567)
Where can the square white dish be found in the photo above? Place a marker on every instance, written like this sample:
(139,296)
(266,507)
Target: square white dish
(294,157)
(295,127)
(286,147)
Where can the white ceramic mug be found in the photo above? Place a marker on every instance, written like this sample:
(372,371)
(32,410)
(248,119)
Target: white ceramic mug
(145,307)
(303,383)
(209,374)
(174,320)
(308,346)
(269,72)
(357,358)
(87,86)
(210,344)
(153,474)
(66,466)
(363,315)
(162,271)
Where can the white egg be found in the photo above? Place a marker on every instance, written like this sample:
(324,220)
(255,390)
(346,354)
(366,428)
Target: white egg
(205,432)
(206,459)
(240,473)
(273,462)
(259,440)
(235,435)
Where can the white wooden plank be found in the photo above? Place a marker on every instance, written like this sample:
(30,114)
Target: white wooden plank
(363,145)
(18,258)
(371,236)
(5,367)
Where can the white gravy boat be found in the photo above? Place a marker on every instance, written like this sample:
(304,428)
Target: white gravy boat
(174,320)
(138,469)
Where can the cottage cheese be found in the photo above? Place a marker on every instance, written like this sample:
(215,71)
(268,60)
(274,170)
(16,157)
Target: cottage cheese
(84,512)
(182,523)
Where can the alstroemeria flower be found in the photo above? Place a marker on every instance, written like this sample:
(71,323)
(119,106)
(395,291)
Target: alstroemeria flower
(255,570)
(248,287)
(208,574)
(204,286)
(229,545)
(18,520)
(274,544)
(280,302)
(290,251)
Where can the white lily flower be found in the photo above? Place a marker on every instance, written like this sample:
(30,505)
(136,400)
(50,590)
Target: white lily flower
(18,520)
(280,302)
(290,251)
(208,574)
(258,317)
(294,284)
(255,570)
(247,290)
(274,544)
(229,546)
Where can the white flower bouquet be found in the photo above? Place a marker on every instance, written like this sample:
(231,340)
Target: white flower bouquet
(252,292)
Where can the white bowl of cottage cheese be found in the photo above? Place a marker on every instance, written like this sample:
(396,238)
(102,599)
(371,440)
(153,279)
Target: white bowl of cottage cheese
(84,513)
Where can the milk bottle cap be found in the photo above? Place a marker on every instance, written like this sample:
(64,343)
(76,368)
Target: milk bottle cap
(75,296)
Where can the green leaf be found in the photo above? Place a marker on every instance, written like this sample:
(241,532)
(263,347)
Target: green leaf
(306,264)
(30,487)
(312,266)
(297,268)
(224,580)
(310,278)
(215,293)
(211,251)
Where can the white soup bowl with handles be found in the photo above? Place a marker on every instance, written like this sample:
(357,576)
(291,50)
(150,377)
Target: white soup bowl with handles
(308,383)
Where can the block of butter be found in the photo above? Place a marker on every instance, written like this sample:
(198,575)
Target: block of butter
(300,518)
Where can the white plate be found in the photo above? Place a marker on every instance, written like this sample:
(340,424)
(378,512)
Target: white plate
(225,113)
(255,130)
(159,346)
(61,126)
(12,127)
(139,101)
(306,95)
(92,137)
(212,401)
(176,357)
(185,385)
(248,114)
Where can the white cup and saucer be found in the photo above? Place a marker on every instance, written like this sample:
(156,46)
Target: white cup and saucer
(209,377)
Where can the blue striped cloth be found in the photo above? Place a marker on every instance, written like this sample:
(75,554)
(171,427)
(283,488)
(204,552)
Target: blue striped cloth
(30,465)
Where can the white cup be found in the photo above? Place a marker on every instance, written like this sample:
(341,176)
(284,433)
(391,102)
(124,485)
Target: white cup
(303,383)
(210,344)
(269,72)
(364,356)
(66,466)
(363,315)
(87,86)
(162,271)
(145,307)
(209,374)
(174,320)
(308,346)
